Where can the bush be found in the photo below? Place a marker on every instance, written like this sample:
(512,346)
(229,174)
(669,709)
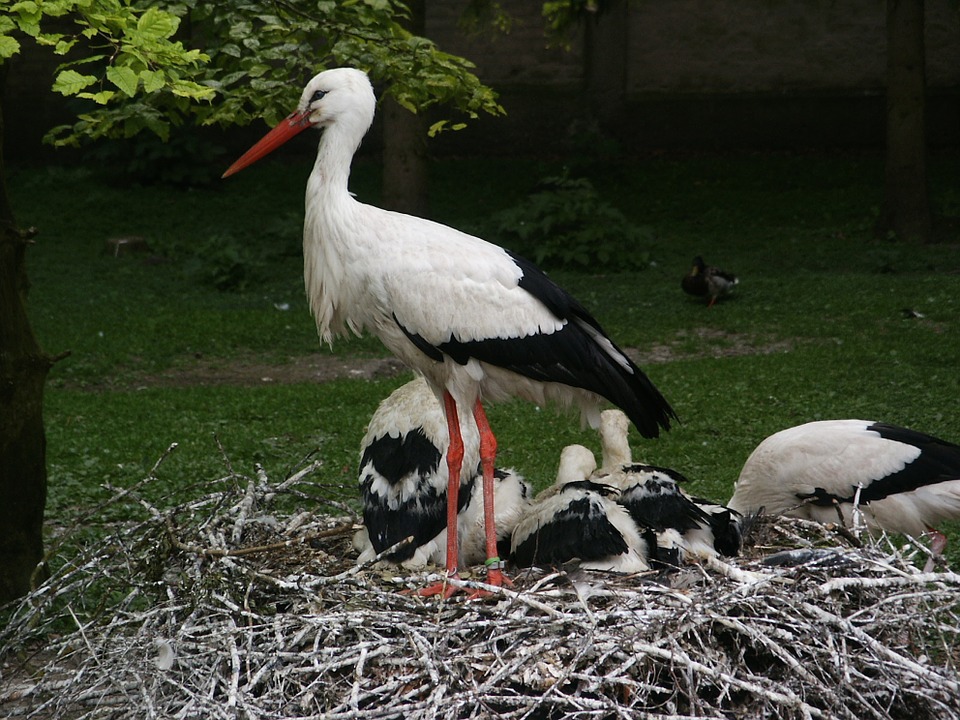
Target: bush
(187,159)
(566,223)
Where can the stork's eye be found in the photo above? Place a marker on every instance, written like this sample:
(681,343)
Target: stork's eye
(318,95)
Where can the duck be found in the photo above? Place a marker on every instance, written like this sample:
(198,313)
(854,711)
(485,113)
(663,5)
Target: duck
(707,281)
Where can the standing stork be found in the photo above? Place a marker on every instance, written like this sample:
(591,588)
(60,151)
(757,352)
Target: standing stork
(898,480)
(480,323)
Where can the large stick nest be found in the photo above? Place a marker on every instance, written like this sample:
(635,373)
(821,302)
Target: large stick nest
(226,607)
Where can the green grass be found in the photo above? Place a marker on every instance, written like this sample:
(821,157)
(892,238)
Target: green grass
(817,329)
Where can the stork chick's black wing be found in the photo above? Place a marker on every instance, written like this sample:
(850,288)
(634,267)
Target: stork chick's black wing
(400,493)
(571,526)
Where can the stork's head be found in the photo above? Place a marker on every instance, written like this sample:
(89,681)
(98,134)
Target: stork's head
(342,96)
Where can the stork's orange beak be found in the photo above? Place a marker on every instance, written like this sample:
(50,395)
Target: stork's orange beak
(293,124)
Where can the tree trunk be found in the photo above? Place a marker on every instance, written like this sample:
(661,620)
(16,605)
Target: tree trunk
(405,182)
(906,209)
(605,59)
(23,371)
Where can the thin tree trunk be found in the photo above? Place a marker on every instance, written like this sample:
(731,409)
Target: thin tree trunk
(23,372)
(405,181)
(605,59)
(906,209)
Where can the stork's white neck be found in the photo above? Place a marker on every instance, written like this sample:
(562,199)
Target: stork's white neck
(614,442)
(331,213)
(331,170)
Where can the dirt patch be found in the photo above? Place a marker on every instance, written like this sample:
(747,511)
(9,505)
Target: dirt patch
(318,368)
(707,342)
(250,372)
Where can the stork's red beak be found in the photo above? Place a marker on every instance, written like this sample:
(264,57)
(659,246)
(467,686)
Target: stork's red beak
(293,124)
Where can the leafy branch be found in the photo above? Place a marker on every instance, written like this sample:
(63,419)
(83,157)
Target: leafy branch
(131,64)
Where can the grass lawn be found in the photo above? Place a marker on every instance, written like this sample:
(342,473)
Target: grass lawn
(827,322)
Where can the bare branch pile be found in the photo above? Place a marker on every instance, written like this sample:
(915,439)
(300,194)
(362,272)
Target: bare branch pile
(225,607)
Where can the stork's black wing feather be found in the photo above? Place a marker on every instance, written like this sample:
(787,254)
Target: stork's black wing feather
(580,355)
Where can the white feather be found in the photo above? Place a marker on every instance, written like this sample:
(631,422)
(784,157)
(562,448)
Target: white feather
(837,456)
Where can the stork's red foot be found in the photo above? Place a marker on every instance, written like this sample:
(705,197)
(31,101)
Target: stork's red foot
(447,589)
(444,588)
(495,577)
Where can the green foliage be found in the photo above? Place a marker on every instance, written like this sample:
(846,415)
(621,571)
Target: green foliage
(564,16)
(255,44)
(235,261)
(567,223)
(223,262)
(134,71)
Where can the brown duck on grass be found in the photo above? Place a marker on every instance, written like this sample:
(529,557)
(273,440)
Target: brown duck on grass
(707,281)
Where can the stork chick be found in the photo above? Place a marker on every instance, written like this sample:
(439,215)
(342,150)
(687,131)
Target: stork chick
(403,485)
(576,519)
(698,528)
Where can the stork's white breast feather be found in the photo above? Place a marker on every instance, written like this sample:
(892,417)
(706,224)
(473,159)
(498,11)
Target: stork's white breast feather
(414,270)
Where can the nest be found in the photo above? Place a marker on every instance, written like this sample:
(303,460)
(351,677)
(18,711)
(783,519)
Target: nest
(227,607)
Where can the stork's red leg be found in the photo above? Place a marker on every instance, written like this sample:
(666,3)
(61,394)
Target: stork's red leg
(488,456)
(454,464)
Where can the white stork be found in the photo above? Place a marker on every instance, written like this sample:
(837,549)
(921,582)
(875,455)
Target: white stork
(480,323)
(696,527)
(576,519)
(900,480)
(403,485)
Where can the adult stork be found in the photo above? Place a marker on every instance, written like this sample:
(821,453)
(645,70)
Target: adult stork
(403,485)
(900,480)
(480,323)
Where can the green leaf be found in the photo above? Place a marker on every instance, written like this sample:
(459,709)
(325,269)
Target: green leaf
(48,39)
(156,24)
(100,98)
(70,82)
(8,46)
(64,46)
(153,80)
(192,90)
(124,78)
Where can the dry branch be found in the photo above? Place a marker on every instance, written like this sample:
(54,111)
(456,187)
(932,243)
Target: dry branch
(224,608)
